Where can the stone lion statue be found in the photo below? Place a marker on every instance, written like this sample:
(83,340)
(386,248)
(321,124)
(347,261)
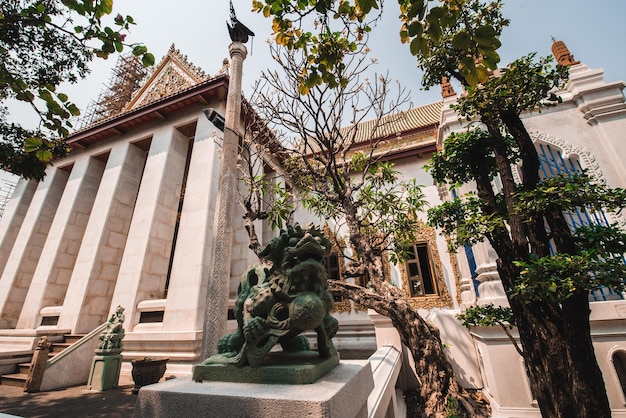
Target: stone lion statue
(280,299)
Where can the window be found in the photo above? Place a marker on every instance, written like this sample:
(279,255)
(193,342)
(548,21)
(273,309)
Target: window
(332,266)
(553,162)
(619,362)
(419,271)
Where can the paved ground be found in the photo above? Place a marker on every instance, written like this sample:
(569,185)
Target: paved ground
(72,402)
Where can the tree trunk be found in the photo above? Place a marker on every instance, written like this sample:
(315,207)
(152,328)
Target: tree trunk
(438,385)
(588,384)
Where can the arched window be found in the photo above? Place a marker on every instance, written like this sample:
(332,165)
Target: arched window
(554,161)
(619,363)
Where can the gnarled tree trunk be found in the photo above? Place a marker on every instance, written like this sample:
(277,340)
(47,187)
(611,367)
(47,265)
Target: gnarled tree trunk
(438,385)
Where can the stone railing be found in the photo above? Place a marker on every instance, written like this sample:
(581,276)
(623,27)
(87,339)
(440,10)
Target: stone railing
(71,366)
(382,402)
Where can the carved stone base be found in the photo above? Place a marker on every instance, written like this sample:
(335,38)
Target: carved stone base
(342,392)
(105,370)
(278,367)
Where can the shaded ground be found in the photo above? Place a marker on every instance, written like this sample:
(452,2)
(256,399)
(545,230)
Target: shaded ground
(71,402)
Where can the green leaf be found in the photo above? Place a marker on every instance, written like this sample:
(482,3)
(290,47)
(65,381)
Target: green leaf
(462,41)
(44,155)
(415,29)
(416,45)
(32,144)
(107,6)
(147,59)
(486,36)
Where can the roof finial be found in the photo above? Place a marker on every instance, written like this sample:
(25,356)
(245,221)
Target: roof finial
(237,30)
(446,88)
(562,54)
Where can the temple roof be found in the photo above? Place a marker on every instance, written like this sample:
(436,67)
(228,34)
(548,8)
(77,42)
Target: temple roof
(409,120)
(173,75)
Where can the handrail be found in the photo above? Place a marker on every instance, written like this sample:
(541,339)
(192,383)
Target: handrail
(386,363)
(84,340)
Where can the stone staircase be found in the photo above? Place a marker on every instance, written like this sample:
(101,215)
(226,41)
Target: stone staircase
(18,378)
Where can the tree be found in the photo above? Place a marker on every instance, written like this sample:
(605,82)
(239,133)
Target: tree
(44,43)
(548,294)
(318,88)
(547,269)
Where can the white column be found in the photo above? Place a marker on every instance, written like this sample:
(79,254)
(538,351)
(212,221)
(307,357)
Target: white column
(187,289)
(490,289)
(58,256)
(89,293)
(13,217)
(26,251)
(146,257)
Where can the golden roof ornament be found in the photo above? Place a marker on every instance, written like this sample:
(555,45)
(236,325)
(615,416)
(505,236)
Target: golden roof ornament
(562,54)
(446,88)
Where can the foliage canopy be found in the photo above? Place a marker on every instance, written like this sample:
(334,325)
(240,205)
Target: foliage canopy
(42,45)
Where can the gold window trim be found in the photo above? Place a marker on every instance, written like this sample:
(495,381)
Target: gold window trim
(442,299)
(339,244)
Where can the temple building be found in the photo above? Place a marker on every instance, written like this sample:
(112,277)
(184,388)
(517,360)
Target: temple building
(127,219)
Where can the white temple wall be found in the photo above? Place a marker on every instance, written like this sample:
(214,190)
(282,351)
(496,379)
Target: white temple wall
(54,269)
(144,265)
(21,263)
(13,217)
(89,293)
(413,168)
(190,268)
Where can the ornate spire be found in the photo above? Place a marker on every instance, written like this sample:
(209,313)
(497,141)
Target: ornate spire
(446,88)
(562,54)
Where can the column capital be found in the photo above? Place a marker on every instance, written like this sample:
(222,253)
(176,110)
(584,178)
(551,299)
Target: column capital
(238,49)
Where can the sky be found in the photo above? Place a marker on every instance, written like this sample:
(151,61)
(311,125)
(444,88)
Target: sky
(594,31)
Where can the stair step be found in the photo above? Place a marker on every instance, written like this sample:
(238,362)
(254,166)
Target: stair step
(58,347)
(19,379)
(72,338)
(16,380)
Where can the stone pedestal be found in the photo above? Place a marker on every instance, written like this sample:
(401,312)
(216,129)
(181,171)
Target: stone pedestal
(341,393)
(105,370)
(298,368)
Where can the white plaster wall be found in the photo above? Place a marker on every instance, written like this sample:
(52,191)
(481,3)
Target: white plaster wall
(24,256)
(56,263)
(187,290)
(144,264)
(13,216)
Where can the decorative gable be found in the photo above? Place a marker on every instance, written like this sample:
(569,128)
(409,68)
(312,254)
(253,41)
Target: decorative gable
(173,75)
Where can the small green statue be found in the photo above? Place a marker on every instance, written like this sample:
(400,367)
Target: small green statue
(279,300)
(111,338)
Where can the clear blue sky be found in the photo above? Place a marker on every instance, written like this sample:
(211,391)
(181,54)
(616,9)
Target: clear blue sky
(594,31)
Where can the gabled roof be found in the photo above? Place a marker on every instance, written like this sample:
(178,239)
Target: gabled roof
(200,94)
(174,84)
(173,74)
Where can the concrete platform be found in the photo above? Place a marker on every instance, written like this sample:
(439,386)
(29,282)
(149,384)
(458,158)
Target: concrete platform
(341,393)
